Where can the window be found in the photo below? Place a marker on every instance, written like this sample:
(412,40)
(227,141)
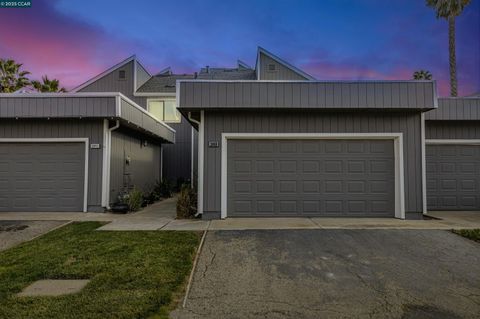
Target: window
(164,110)
(122,75)
(271,67)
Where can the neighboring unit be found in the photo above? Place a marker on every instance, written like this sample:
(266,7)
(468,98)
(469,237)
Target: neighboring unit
(452,135)
(156,94)
(76,152)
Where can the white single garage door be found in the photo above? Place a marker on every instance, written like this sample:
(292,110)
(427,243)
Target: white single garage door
(453,177)
(44,176)
(275,177)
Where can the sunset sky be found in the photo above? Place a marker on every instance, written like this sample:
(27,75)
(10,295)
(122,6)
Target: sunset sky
(332,40)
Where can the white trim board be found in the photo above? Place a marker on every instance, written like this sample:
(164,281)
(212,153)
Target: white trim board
(201,138)
(84,140)
(155,94)
(424,165)
(452,142)
(397,138)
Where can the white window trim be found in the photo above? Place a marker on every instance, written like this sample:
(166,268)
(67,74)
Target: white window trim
(398,153)
(61,140)
(163,100)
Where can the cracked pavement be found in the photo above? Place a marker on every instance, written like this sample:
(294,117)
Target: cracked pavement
(335,274)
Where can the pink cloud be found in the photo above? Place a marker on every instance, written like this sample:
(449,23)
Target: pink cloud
(47,42)
(346,70)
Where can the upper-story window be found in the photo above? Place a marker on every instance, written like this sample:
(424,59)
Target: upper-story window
(165,110)
(122,75)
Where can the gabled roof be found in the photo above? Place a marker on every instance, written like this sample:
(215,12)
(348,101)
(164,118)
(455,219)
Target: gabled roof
(108,71)
(281,61)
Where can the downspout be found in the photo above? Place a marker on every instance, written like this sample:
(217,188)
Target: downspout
(200,161)
(109,161)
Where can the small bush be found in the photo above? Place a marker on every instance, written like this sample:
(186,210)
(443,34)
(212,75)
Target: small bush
(135,200)
(187,202)
(163,189)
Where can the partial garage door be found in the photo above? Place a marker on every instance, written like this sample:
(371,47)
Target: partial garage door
(42,176)
(453,177)
(310,178)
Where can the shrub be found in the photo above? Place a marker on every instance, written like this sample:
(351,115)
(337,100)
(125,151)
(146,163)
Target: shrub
(163,189)
(187,202)
(135,199)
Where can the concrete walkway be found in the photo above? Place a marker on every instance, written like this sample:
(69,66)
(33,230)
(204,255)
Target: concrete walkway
(161,216)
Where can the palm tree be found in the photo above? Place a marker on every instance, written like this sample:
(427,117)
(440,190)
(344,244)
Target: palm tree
(449,10)
(11,77)
(48,85)
(422,75)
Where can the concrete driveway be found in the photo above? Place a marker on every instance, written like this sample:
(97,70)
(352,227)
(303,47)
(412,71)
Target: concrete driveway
(335,274)
(14,232)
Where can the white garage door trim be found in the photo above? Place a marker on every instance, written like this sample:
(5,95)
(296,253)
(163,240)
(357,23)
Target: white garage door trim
(398,150)
(59,140)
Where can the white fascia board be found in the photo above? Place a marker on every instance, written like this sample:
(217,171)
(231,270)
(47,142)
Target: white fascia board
(154,94)
(306,81)
(138,107)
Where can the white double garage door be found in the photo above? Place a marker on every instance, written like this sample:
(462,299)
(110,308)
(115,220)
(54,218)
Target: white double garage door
(42,175)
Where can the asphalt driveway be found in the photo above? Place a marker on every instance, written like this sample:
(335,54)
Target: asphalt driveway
(335,274)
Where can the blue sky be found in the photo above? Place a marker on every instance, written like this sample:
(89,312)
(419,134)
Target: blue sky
(328,39)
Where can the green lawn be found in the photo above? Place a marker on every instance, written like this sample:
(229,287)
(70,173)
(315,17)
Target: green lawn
(473,234)
(133,274)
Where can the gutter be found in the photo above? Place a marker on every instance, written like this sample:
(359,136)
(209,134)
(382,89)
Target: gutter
(200,161)
(192,149)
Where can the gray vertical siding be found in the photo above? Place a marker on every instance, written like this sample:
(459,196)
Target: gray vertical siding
(408,123)
(452,129)
(459,108)
(111,83)
(281,72)
(177,157)
(144,169)
(307,95)
(38,106)
(42,128)
(142,75)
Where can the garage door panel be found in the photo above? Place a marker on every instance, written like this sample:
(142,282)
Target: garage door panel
(453,177)
(42,176)
(310,178)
